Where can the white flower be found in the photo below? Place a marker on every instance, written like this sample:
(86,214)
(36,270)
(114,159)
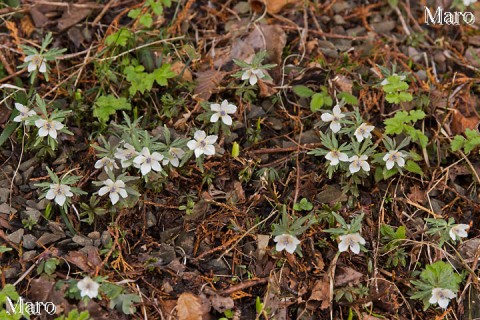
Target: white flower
(334,118)
(174,156)
(459,231)
(88,288)
(253,75)
(222,111)
(392,157)
(147,161)
(287,242)
(24,113)
(48,127)
(352,240)
(36,61)
(468,2)
(125,155)
(60,192)
(385,81)
(106,163)
(335,157)
(442,297)
(358,163)
(114,189)
(202,144)
(363,132)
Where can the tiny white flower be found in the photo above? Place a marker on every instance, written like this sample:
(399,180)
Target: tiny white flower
(114,189)
(287,242)
(385,81)
(106,163)
(253,75)
(336,156)
(147,161)
(442,297)
(222,111)
(202,144)
(468,2)
(459,231)
(363,132)
(36,61)
(392,157)
(174,156)
(126,155)
(88,288)
(48,127)
(24,113)
(59,192)
(358,163)
(334,118)
(352,241)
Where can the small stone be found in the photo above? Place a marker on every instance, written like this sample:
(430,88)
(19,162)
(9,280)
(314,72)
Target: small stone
(277,124)
(384,26)
(105,238)
(94,235)
(8,170)
(29,255)
(82,240)
(28,174)
(48,238)
(24,188)
(16,236)
(5,208)
(97,243)
(151,220)
(30,163)
(166,253)
(10,273)
(29,241)
(18,180)
(56,228)
(4,193)
(338,19)
(31,215)
(186,241)
(217,266)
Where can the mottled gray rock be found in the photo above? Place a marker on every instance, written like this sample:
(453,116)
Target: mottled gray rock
(30,163)
(105,238)
(4,193)
(166,253)
(29,241)
(32,215)
(82,240)
(94,235)
(151,220)
(29,255)
(10,273)
(28,174)
(16,236)
(5,208)
(48,238)
(186,241)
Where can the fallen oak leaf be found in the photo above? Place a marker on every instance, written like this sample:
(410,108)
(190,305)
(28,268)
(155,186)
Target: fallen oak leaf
(191,307)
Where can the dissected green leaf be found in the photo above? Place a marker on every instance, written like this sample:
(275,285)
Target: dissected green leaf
(105,106)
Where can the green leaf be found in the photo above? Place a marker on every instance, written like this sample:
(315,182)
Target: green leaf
(413,167)
(348,98)
(125,303)
(50,266)
(140,81)
(303,91)
(134,13)
(105,106)
(119,38)
(318,101)
(4,249)
(146,20)
(164,73)
(304,204)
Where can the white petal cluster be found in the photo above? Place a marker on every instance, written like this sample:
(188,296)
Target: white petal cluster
(126,155)
(106,163)
(223,111)
(36,62)
(202,144)
(286,242)
(441,297)
(363,132)
(334,118)
(24,113)
(459,231)
(174,157)
(336,156)
(48,127)
(394,157)
(59,192)
(88,288)
(357,163)
(352,241)
(148,162)
(114,189)
(253,75)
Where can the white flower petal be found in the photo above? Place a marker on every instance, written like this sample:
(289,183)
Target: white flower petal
(60,199)
(199,135)
(43,132)
(209,150)
(103,191)
(327,117)
(43,67)
(211,139)
(215,107)
(192,144)
(31,67)
(335,126)
(145,168)
(214,118)
(114,197)
(227,120)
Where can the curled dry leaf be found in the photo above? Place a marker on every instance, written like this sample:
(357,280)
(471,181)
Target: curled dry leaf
(272,6)
(460,122)
(207,82)
(346,275)
(222,304)
(320,293)
(191,307)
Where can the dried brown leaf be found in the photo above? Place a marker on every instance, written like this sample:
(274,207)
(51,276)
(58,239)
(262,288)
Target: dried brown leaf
(416,194)
(320,293)
(207,82)
(345,275)
(273,6)
(72,16)
(460,122)
(190,307)
(221,304)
